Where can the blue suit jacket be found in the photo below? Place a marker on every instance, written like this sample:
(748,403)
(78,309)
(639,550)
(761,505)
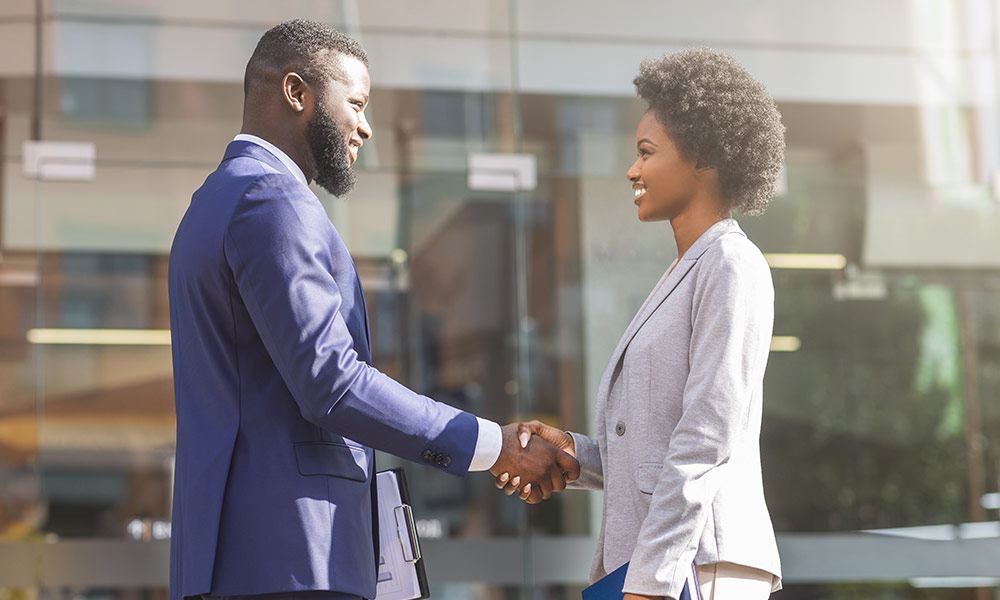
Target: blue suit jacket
(278,406)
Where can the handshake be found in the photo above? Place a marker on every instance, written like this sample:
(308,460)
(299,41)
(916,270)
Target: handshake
(535,460)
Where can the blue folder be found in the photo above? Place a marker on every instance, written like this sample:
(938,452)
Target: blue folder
(610,586)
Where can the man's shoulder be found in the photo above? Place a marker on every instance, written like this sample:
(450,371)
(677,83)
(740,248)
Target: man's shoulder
(271,202)
(240,179)
(245,172)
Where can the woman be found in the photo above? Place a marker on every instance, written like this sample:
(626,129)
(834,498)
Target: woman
(679,406)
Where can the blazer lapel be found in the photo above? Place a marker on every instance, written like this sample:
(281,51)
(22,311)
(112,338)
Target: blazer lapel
(662,292)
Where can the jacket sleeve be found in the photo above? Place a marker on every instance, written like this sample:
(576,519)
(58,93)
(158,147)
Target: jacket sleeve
(732,317)
(588,454)
(279,250)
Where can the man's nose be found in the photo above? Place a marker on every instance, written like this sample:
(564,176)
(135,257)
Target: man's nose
(365,128)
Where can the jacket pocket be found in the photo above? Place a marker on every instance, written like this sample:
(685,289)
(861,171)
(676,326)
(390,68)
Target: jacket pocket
(648,475)
(332,459)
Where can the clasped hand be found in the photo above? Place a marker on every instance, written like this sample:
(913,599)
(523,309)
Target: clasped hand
(536,460)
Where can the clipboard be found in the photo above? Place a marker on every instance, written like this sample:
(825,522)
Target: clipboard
(610,586)
(401,574)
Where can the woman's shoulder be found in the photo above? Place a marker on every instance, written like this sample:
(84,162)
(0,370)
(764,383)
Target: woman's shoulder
(734,252)
(733,267)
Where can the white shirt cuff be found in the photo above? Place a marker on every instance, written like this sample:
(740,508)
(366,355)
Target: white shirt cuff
(488,446)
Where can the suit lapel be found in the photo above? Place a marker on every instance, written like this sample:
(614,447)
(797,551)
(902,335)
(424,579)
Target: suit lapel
(662,292)
(653,302)
(364,313)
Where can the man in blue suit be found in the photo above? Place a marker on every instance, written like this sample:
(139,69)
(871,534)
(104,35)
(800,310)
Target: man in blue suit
(278,406)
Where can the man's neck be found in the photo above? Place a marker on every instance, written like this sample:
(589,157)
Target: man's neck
(278,153)
(282,141)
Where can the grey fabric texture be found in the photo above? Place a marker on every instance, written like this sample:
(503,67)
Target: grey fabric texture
(678,415)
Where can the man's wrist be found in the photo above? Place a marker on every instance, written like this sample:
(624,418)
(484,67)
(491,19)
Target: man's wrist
(488,446)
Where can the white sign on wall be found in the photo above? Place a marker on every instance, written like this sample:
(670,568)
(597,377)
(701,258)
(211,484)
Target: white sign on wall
(59,161)
(497,172)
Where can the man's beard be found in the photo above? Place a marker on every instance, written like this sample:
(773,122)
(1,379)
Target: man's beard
(334,171)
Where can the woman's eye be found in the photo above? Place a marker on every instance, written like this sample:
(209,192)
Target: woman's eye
(643,152)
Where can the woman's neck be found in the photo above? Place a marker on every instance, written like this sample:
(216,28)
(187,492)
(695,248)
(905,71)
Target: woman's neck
(689,225)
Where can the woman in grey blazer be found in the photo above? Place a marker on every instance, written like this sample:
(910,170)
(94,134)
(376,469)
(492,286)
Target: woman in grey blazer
(677,448)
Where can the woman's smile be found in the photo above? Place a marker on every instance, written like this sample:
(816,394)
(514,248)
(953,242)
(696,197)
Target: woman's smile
(640,191)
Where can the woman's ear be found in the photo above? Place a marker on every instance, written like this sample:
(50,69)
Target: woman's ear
(701,169)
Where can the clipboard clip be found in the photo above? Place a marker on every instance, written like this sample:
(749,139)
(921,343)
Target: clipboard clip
(406,531)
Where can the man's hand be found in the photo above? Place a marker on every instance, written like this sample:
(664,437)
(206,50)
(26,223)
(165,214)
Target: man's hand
(560,439)
(641,597)
(540,467)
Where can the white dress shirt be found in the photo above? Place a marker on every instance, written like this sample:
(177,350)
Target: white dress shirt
(490,440)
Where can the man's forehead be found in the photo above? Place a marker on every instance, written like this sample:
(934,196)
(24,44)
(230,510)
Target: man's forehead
(345,68)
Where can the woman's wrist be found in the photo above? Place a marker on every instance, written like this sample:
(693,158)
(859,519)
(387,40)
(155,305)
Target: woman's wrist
(570,444)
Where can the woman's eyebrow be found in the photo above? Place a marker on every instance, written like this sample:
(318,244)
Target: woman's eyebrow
(645,141)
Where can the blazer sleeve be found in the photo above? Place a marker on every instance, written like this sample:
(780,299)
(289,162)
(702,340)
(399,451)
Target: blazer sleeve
(588,454)
(732,318)
(278,251)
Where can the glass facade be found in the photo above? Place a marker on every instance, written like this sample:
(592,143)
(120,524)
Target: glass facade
(880,443)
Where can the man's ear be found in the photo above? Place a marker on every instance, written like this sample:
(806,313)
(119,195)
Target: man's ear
(295,91)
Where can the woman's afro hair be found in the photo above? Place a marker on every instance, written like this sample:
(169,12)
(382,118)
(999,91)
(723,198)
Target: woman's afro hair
(719,116)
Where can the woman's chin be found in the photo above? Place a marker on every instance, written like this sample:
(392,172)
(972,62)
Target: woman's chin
(647,217)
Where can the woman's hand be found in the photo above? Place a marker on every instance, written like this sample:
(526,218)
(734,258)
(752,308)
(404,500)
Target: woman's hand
(641,597)
(557,437)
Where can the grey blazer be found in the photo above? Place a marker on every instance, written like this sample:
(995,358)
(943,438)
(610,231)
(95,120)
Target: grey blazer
(677,451)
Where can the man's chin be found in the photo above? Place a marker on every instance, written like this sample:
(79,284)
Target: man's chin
(338,184)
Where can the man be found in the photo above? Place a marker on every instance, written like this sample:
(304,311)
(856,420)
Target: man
(278,407)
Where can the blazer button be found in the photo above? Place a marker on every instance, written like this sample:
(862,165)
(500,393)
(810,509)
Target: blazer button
(426,455)
(620,428)
(446,461)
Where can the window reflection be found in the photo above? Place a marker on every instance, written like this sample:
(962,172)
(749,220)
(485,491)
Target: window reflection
(882,414)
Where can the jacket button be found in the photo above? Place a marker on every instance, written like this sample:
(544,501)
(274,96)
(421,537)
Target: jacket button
(620,428)
(426,455)
(446,461)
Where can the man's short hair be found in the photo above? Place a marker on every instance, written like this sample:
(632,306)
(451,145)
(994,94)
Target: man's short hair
(309,48)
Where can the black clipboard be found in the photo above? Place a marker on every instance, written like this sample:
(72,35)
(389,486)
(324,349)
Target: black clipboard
(401,573)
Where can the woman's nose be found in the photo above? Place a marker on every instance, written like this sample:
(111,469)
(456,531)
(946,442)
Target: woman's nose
(633,171)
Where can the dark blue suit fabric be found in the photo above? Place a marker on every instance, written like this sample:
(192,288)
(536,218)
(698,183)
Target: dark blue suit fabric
(278,406)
